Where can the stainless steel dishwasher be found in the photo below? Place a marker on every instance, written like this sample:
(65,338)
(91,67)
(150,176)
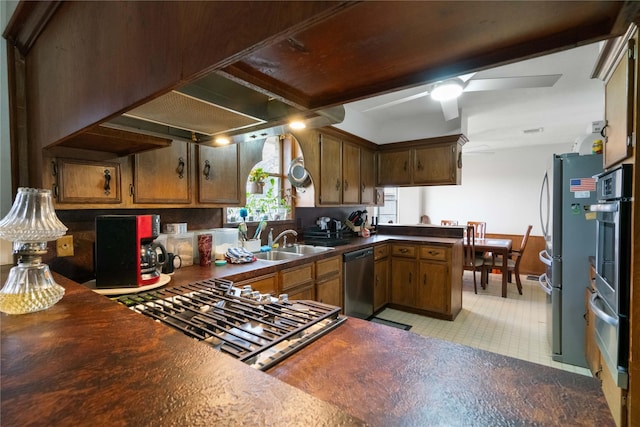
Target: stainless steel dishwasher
(358,283)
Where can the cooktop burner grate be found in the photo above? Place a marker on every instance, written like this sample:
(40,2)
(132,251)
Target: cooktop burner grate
(258,332)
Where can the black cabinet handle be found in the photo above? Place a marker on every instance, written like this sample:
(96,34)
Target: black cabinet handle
(180,168)
(424,281)
(405,166)
(54,168)
(346,185)
(207,169)
(107,182)
(337,184)
(419,165)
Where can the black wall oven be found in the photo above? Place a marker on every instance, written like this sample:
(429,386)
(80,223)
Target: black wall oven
(610,302)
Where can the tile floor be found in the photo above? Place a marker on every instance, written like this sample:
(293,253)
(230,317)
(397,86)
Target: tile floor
(514,326)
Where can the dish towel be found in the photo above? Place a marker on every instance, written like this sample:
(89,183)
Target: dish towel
(239,256)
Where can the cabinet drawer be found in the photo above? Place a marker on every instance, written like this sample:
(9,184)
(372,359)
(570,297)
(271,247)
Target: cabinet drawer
(267,284)
(295,276)
(327,267)
(408,251)
(380,252)
(434,252)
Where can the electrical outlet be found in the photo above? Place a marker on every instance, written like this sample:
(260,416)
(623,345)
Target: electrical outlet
(64,246)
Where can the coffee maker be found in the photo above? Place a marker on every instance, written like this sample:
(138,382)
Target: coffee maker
(125,251)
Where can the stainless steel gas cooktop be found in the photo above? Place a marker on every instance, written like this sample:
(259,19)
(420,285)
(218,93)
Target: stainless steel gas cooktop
(255,328)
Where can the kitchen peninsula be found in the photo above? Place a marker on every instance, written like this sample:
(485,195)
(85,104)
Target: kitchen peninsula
(91,360)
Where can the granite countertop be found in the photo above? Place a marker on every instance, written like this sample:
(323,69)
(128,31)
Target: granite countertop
(89,360)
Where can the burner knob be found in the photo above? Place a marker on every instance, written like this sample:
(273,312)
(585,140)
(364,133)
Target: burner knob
(283,298)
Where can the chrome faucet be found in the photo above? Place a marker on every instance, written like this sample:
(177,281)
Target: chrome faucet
(284,237)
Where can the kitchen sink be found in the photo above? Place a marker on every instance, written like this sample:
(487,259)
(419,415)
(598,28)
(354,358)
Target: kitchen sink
(304,249)
(277,255)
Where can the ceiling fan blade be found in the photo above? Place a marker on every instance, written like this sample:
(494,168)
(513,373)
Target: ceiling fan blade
(398,101)
(502,83)
(450,108)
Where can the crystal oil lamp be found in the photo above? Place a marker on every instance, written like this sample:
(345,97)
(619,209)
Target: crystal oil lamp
(30,224)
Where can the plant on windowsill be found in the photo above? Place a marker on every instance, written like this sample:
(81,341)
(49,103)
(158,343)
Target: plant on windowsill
(256,180)
(269,205)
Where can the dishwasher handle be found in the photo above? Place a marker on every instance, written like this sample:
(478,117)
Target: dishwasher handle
(355,255)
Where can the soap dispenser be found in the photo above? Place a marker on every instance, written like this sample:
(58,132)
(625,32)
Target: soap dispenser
(270,238)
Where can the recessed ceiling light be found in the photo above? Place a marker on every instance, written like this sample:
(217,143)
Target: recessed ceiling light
(222,141)
(297,125)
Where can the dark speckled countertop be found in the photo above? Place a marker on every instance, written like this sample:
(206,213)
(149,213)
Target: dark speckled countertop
(89,360)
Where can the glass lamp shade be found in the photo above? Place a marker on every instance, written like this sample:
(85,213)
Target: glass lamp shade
(32,218)
(30,224)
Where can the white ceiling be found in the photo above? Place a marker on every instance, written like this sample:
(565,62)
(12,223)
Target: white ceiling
(494,120)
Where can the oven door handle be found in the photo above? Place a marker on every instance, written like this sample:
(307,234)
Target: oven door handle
(544,284)
(544,257)
(604,207)
(599,312)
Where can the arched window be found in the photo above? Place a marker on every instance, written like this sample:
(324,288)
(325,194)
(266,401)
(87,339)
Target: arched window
(266,196)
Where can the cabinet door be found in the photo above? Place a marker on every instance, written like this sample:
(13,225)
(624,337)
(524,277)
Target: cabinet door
(330,170)
(619,110)
(350,174)
(218,177)
(367,177)
(381,283)
(433,291)
(302,293)
(163,175)
(403,278)
(85,182)
(329,291)
(435,165)
(394,167)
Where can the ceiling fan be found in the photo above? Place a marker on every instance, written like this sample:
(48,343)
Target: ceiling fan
(452,88)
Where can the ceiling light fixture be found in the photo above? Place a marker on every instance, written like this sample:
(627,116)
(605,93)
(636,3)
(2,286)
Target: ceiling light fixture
(448,89)
(222,140)
(297,125)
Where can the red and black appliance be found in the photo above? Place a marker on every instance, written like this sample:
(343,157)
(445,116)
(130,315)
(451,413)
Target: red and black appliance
(125,252)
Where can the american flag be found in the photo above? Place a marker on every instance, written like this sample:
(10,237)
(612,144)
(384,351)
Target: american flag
(582,184)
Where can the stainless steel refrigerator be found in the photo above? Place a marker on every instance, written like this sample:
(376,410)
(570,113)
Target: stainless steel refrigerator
(571,240)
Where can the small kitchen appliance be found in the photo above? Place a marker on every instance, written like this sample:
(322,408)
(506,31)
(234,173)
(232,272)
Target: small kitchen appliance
(125,252)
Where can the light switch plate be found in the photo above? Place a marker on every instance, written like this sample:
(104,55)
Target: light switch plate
(64,246)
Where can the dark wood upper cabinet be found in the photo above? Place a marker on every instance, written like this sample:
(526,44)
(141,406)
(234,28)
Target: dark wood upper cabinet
(73,65)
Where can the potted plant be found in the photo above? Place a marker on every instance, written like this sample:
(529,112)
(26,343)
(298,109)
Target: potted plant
(256,180)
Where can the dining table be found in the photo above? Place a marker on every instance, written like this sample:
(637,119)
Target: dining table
(498,247)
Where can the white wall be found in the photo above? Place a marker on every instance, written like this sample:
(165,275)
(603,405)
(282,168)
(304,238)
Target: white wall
(502,189)
(6,10)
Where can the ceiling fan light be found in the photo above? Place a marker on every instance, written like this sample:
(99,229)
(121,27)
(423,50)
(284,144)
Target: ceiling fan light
(448,89)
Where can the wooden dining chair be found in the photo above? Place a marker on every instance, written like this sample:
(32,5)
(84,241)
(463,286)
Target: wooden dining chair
(448,222)
(472,262)
(513,262)
(479,228)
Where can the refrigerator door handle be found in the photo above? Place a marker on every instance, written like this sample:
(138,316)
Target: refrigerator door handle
(544,257)
(545,190)
(599,312)
(542,281)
